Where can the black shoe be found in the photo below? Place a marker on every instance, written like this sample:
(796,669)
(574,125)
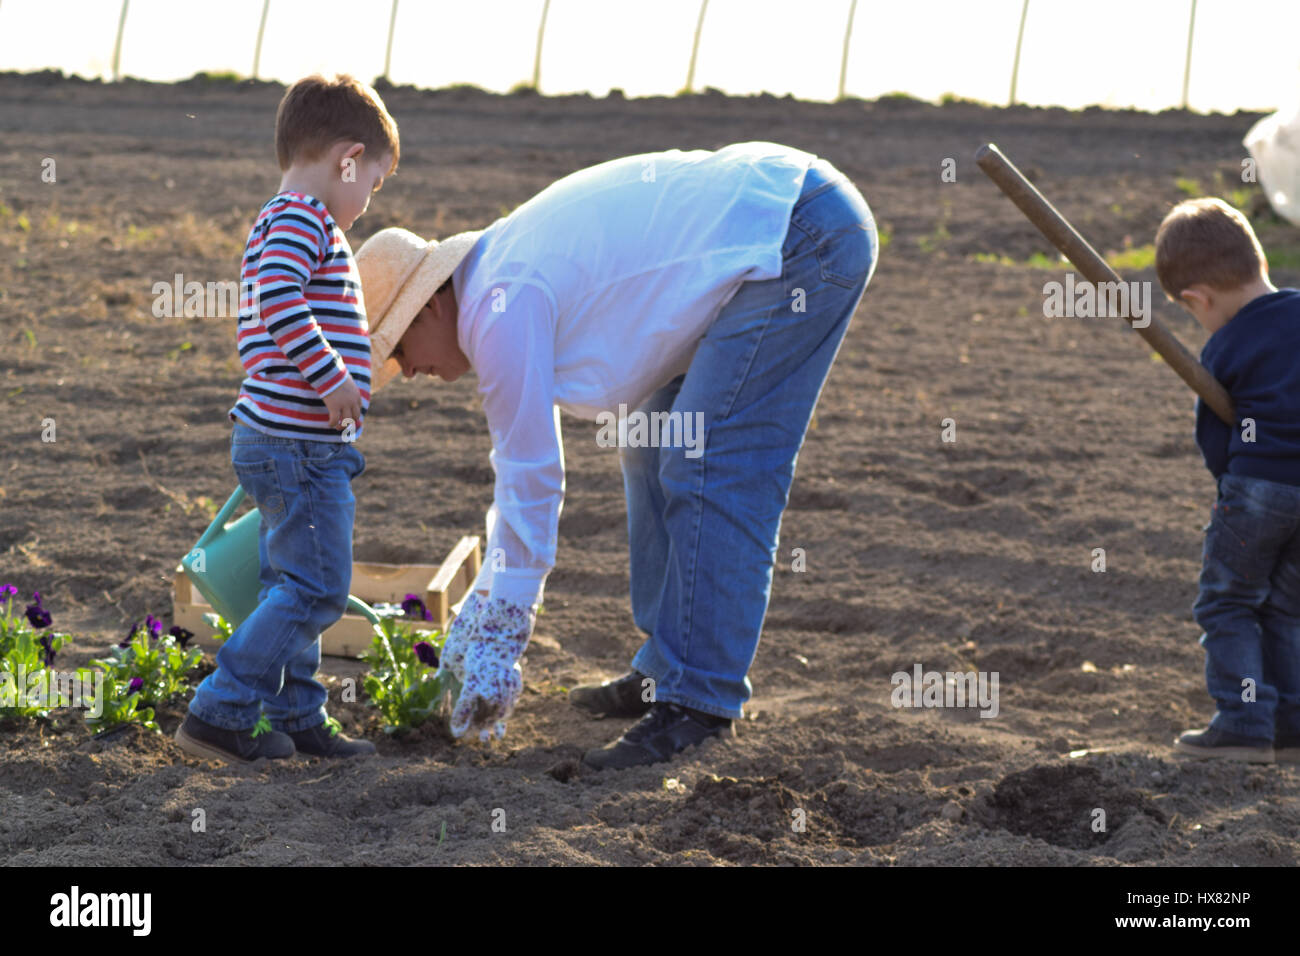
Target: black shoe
(201,739)
(666,730)
(319,742)
(623,697)
(1286,748)
(1213,742)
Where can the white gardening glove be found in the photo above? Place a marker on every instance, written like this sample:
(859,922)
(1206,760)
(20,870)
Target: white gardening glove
(452,657)
(482,652)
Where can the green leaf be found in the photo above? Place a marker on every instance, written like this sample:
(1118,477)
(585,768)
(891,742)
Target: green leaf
(404,691)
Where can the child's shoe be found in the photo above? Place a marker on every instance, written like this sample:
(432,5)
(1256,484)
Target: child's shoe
(319,742)
(1213,742)
(201,739)
(1286,748)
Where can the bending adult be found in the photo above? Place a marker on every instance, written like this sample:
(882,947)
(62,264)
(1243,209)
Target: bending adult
(713,286)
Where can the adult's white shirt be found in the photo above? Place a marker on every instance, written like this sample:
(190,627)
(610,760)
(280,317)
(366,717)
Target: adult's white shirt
(595,293)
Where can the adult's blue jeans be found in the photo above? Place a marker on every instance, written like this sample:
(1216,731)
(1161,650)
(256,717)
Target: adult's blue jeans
(303,490)
(704,523)
(1249,607)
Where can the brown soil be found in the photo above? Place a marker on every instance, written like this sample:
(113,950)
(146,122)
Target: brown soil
(973,555)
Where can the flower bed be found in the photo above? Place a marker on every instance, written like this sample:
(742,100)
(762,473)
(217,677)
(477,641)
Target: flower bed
(149,669)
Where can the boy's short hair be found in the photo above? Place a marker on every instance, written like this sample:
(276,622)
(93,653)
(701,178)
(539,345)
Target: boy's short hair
(1207,241)
(315,113)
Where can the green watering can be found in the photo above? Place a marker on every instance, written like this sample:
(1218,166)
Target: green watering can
(224,566)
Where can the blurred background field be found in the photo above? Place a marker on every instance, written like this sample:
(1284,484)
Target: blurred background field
(1211,55)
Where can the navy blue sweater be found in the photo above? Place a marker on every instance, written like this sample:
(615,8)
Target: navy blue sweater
(1256,357)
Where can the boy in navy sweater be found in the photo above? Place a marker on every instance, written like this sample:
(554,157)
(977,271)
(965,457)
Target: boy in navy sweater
(1209,261)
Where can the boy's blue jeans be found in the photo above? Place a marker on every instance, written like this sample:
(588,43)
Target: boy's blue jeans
(1249,606)
(303,490)
(703,523)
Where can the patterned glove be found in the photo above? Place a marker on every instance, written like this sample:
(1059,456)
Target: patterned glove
(482,652)
(463,625)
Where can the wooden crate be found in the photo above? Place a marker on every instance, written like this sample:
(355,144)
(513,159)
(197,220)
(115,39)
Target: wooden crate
(442,587)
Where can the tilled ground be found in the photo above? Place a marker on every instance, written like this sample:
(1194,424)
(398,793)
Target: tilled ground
(973,555)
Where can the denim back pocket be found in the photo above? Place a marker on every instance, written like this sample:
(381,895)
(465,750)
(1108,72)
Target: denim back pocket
(261,482)
(1245,532)
(849,256)
(836,217)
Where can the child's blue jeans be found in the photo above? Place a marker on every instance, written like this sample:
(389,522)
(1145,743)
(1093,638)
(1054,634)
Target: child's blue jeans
(703,523)
(1249,606)
(303,490)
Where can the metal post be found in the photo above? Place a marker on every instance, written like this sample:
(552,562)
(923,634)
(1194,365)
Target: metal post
(848,33)
(1187,67)
(261,29)
(537,58)
(1020,38)
(695,47)
(388,53)
(117,47)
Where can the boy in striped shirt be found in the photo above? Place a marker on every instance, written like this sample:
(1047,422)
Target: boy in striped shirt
(304,344)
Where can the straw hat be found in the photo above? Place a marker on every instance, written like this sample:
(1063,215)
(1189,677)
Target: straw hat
(400,272)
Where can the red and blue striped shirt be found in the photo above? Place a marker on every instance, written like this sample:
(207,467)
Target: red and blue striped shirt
(302,321)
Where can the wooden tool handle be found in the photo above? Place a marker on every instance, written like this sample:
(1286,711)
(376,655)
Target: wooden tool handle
(1094,268)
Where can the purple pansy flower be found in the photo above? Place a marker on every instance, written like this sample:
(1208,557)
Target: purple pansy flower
(427,653)
(130,635)
(413,606)
(6,592)
(136,685)
(154,625)
(37,615)
(48,644)
(182,636)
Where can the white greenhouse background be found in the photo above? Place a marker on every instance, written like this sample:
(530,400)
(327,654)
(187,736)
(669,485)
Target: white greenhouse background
(1210,55)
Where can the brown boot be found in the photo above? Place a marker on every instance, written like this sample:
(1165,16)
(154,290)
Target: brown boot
(319,742)
(201,739)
